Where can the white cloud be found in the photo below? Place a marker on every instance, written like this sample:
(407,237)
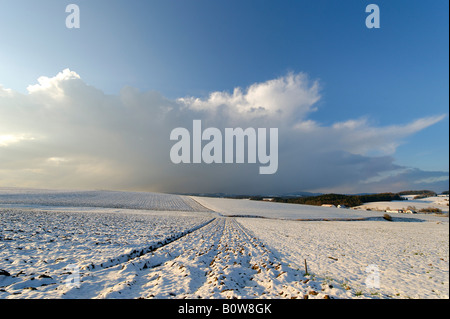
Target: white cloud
(65,133)
(286,98)
(49,84)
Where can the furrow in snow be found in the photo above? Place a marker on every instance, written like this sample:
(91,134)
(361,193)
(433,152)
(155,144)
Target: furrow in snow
(140,252)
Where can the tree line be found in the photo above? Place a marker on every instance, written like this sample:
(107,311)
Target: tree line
(339,199)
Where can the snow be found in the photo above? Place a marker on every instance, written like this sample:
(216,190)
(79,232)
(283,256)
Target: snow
(105,199)
(38,242)
(412,257)
(429,202)
(250,208)
(152,245)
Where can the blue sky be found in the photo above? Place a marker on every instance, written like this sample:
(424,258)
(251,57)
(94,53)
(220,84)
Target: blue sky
(389,76)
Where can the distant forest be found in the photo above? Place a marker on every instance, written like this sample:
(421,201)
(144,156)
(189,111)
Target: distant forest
(422,193)
(338,199)
(346,200)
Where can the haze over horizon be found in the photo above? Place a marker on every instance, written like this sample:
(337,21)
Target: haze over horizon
(358,110)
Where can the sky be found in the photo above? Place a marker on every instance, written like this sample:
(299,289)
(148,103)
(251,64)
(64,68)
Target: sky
(357,109)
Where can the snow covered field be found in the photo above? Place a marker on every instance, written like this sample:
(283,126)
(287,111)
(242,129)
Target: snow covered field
(149,245)
(418,204)
(105,199)
(411,257)
(247,208)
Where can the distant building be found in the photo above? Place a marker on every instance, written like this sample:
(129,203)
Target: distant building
(341,206)
(394,211)
(400,211)
(328,205)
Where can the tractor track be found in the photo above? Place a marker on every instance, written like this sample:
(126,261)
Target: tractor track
(220,259)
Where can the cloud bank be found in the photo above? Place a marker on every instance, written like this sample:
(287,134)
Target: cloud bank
(67,134)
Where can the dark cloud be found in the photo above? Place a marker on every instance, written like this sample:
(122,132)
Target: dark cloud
(67,134)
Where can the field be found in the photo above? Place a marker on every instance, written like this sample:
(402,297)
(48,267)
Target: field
(418,204)
(101,244)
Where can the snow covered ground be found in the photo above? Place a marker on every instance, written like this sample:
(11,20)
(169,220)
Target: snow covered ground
(411,258)
(418,204)
(250,208)
(105,199)
(71,244)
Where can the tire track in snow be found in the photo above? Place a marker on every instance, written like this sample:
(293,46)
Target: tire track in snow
(141,252)
(173,271)
(122,272)
(245,268)
(220,260)
(185,273)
